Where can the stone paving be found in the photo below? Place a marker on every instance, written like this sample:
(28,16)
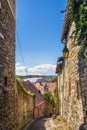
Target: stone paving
(49,124)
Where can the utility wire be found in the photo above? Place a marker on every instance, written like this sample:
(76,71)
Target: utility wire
(20,49)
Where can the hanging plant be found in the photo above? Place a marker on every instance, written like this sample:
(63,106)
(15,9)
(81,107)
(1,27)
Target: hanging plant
(78,14)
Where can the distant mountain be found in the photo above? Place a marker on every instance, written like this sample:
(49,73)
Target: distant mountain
(36,76)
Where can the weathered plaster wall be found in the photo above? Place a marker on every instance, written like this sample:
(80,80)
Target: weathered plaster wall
(26,103)
(39,110)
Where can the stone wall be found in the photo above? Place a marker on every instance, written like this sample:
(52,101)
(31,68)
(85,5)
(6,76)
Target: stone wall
(49,109)
(83,83)
(16,108)
(70,89)
(25,110)
(8,106)
(61,91)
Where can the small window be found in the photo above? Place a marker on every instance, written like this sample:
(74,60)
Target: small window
(5,81)
(69,88)
(78,89)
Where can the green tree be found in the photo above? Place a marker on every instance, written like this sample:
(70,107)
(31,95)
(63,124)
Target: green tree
(78,14)
(48,97)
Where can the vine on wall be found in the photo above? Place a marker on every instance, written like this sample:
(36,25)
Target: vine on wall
(78,14)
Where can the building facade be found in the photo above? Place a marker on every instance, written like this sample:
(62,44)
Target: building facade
(72,84)
(8,116)
(39,106)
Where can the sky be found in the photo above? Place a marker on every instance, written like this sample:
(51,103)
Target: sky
(39,25)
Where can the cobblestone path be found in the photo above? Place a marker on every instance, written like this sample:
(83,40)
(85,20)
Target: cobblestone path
(49,124)
(38,124)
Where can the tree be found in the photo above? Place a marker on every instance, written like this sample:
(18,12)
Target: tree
(48,97)
(78,14)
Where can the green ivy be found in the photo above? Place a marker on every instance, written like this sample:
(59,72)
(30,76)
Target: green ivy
(78,14)
(50,98)
(23,88)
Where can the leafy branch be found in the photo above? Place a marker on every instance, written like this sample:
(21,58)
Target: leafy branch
(78,14)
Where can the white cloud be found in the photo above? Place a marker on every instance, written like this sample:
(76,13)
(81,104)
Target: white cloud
(44,69)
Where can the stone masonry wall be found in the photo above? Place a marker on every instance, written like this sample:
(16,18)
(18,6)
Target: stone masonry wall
(8,106)
(83,83)
(16,108)
(72,109)
(60,92)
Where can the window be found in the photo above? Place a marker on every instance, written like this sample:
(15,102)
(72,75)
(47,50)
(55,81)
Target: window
(69,89)
(78,89)
(5,81)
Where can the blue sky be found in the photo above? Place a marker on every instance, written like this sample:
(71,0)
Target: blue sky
(39,26)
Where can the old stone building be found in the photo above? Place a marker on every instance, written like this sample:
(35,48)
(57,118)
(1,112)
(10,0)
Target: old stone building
(16,107)
(72,80)
(8,105)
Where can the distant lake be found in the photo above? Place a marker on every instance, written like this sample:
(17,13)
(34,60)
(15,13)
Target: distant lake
(32,80)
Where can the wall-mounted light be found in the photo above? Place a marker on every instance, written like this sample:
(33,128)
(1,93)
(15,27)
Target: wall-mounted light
(65,52)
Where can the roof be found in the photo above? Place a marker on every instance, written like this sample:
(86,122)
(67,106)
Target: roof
(42,80)
(51,87)
(32,80)
(46,87)
(60,59)
(30,87)
(66,25)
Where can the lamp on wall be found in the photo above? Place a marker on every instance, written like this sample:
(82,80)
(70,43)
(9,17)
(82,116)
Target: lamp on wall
(65,52)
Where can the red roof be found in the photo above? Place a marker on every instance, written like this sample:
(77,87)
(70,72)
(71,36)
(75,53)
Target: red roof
(45,87)
(30,87)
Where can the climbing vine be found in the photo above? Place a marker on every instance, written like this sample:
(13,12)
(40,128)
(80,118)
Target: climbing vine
(78,14)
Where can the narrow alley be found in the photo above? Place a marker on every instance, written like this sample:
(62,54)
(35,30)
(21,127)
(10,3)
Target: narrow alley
(38,124)
(43,65)
(57,123)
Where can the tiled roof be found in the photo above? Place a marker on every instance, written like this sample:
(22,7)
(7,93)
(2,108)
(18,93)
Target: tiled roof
(30,87)
(42,80)
(51,87)
(46,87)
(60,59)
(66,25)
